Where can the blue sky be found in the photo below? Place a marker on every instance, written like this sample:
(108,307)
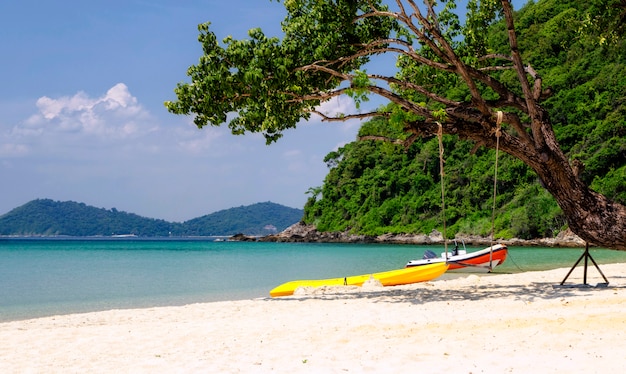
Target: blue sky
(82,87)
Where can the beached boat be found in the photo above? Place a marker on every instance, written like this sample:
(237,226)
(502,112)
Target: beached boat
(387,278)
(483,260)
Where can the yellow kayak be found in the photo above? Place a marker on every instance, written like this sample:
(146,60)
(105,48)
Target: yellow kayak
(387,278)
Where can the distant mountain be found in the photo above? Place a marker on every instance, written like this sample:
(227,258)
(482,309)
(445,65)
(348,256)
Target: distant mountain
(45,217)
(257,219)
(48,218)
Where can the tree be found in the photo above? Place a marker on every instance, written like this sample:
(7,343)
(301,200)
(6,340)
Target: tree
(272,84)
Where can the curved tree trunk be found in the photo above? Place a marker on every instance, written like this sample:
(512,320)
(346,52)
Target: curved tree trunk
(590,215)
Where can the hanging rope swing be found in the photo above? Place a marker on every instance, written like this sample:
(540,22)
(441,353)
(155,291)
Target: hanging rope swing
(498,133)
(443,190)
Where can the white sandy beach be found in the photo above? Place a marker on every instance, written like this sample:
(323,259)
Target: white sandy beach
(513,323)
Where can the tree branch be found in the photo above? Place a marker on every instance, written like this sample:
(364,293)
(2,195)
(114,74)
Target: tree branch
(381,138)
(405,143)
(343,118)
(535,115)
(418,88)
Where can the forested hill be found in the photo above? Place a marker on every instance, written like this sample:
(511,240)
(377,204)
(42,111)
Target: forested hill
(44,217)
(258,219)
(376,187)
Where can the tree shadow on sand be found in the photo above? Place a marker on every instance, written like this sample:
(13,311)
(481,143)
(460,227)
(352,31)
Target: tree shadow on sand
(430,292)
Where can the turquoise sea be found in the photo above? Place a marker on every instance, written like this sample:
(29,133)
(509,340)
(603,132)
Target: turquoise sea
(43,277)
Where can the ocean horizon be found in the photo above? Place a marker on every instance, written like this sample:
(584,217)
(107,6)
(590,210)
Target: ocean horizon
(51,276)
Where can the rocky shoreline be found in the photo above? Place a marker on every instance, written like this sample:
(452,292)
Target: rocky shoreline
(303,233)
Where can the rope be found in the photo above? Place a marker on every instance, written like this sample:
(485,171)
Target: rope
(510,257)
(443,194)
(500,115)
(498,133)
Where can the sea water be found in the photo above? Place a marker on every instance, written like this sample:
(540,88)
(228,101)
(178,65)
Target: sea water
(43,277)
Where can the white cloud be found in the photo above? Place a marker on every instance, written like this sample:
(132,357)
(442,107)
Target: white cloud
(191,139)
(53,108)
(337,106)
(292,153)
(68,124)
(294,160)
(12,150)
(115,115)
(118,96)
(341,105)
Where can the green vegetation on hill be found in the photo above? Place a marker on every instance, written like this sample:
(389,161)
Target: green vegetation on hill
(257,219)
(44,217)
(581,55)
(376,187)
(47,217)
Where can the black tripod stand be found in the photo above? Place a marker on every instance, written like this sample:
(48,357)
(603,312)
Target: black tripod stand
(587,256)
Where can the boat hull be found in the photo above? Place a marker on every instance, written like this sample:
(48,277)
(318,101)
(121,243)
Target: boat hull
(483,260)
(387,278)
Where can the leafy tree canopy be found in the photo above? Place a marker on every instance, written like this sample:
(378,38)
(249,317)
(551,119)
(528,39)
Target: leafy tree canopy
(478,81)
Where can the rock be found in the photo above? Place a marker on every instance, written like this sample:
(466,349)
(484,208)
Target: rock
(301,232)
(242,238)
